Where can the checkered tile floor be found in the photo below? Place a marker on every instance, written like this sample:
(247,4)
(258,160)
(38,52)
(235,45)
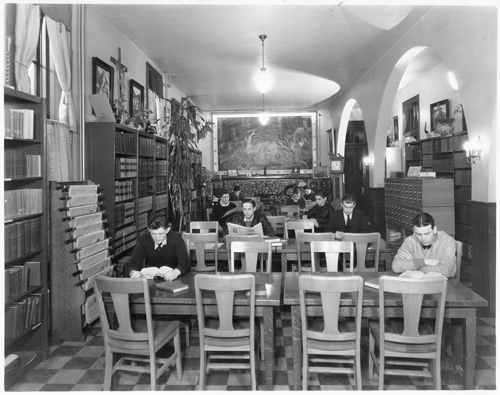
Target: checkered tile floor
(79,366)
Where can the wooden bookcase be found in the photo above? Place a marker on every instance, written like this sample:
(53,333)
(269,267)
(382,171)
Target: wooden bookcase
(445,155)
(131,168)
(25,230)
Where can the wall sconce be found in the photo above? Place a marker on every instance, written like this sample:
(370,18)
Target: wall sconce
(368,161)
(473,151)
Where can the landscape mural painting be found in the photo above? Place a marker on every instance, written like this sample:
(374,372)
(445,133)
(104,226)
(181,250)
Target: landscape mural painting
(243,143)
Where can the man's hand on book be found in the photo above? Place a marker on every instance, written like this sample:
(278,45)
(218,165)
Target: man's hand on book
(171,275)
(135,274)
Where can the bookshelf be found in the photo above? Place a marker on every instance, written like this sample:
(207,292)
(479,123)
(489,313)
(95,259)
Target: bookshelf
(137,188)
(25,230)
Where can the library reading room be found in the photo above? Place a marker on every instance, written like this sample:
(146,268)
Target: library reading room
(250,196)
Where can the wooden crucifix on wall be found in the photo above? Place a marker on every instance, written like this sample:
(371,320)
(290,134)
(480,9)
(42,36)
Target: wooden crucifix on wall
(122,69)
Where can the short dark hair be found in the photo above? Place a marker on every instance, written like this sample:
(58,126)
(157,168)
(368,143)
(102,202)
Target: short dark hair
(251,201)
(422,220)
(224,192)
(158,221)
(296,190)
(321,193)
(236,188)
(348,198)
(308,187)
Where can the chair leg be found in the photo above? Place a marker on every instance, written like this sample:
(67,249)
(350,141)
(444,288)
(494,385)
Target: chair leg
(108,370)
(437,373)
(177,350)
(152,370)
(252,368)
(371,350)
(381,371)
(262,343)
(186,328)
(305,372)
(203,361)
(358,371)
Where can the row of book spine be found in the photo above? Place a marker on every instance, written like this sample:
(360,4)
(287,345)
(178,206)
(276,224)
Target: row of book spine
(161,150)
(16,281)
(147,146)
(146,186)
(23,315)
(124,213)
(21,238)
(142,220)
(463,177)
(463,194)
(19,164)
(161,167)
(125,167)
(161,201)
(145,204)
(161,184)
(125,239)
(22,202)
(125,143)
(19,123)
(146,167)
(124,190)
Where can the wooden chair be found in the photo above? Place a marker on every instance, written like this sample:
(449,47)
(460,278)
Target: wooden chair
(137,341)
(279,224)
(458,254)
(327,340)
(201,243)
(223,335)
(301,226)
(408,342)
(238,203)
(290,211)
(251,251)
(303,246)
(209,212)
(258,205)
(232,238)
(332,251)
(204,227)
(361,243)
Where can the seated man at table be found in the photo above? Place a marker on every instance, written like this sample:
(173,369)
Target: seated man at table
(427,250)
(249,217)
(321,213)
(350,220)
(237,194)
(219,210)
(295,199)
(159,247)
(308,193)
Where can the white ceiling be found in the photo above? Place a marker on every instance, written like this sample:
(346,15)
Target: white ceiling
(313,52)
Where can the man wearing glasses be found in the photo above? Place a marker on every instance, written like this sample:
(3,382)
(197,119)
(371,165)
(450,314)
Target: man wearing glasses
(349,220)
(159,247)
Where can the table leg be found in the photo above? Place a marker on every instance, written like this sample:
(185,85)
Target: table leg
(470,348)
(297,347)
(269,325)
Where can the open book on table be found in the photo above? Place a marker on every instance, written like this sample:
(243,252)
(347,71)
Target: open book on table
(152,272)
(234,229)
(374,283)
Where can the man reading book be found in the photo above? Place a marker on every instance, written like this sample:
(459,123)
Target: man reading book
(220,209)
(321,213)
(159,247)
(427,250)
(250,217)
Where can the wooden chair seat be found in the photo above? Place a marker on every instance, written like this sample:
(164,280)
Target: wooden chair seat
(163,329)
(200,242)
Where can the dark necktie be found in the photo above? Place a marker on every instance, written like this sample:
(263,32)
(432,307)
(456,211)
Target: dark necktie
(427,247)
(348,224)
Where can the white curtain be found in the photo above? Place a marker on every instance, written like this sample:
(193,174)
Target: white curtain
(58,150)
(60,53)
(27,33)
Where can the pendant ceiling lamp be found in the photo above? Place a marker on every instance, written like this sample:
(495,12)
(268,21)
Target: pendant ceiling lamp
(263,115)
(263,79)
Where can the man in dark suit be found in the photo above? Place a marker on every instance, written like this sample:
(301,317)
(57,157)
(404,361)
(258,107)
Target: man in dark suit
(349,220)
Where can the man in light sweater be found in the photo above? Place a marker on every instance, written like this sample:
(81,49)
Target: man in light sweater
(427,250)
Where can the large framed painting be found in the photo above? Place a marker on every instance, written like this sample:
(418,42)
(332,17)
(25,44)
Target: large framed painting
(102,79)
(442,108)
(287,140)
(136,98)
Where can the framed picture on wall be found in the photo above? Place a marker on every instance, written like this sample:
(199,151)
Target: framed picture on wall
(395,121)
(136,98)
(411,117)
(102,79)
(441,108)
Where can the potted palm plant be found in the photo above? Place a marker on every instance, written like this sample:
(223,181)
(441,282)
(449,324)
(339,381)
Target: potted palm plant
(187,126)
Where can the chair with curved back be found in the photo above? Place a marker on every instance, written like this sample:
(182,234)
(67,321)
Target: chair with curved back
(290,211)
(208,211)
(232,238)
(220,336)
(279,224)
(251,251)
(362,241)
(409,342)
(201,243)
(136,340)
(303,244)
(301,226)
(204,227)
(331,251)
(327,340)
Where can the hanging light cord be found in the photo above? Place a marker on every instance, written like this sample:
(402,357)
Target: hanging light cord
(262,38)
(263,108)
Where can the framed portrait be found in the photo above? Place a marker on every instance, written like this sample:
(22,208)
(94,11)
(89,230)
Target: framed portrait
(287,140)
(295,170)
(411,117)
(102,79)
(136,98)
(440,106)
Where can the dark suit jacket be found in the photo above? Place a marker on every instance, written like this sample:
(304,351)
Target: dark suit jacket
(360,223)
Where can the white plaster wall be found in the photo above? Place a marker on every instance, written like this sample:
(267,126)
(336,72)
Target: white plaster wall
(466,39)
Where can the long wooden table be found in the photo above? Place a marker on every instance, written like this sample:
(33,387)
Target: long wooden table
(184,303)
(461,303)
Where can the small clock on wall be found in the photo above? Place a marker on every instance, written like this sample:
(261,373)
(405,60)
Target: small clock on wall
(336,164)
